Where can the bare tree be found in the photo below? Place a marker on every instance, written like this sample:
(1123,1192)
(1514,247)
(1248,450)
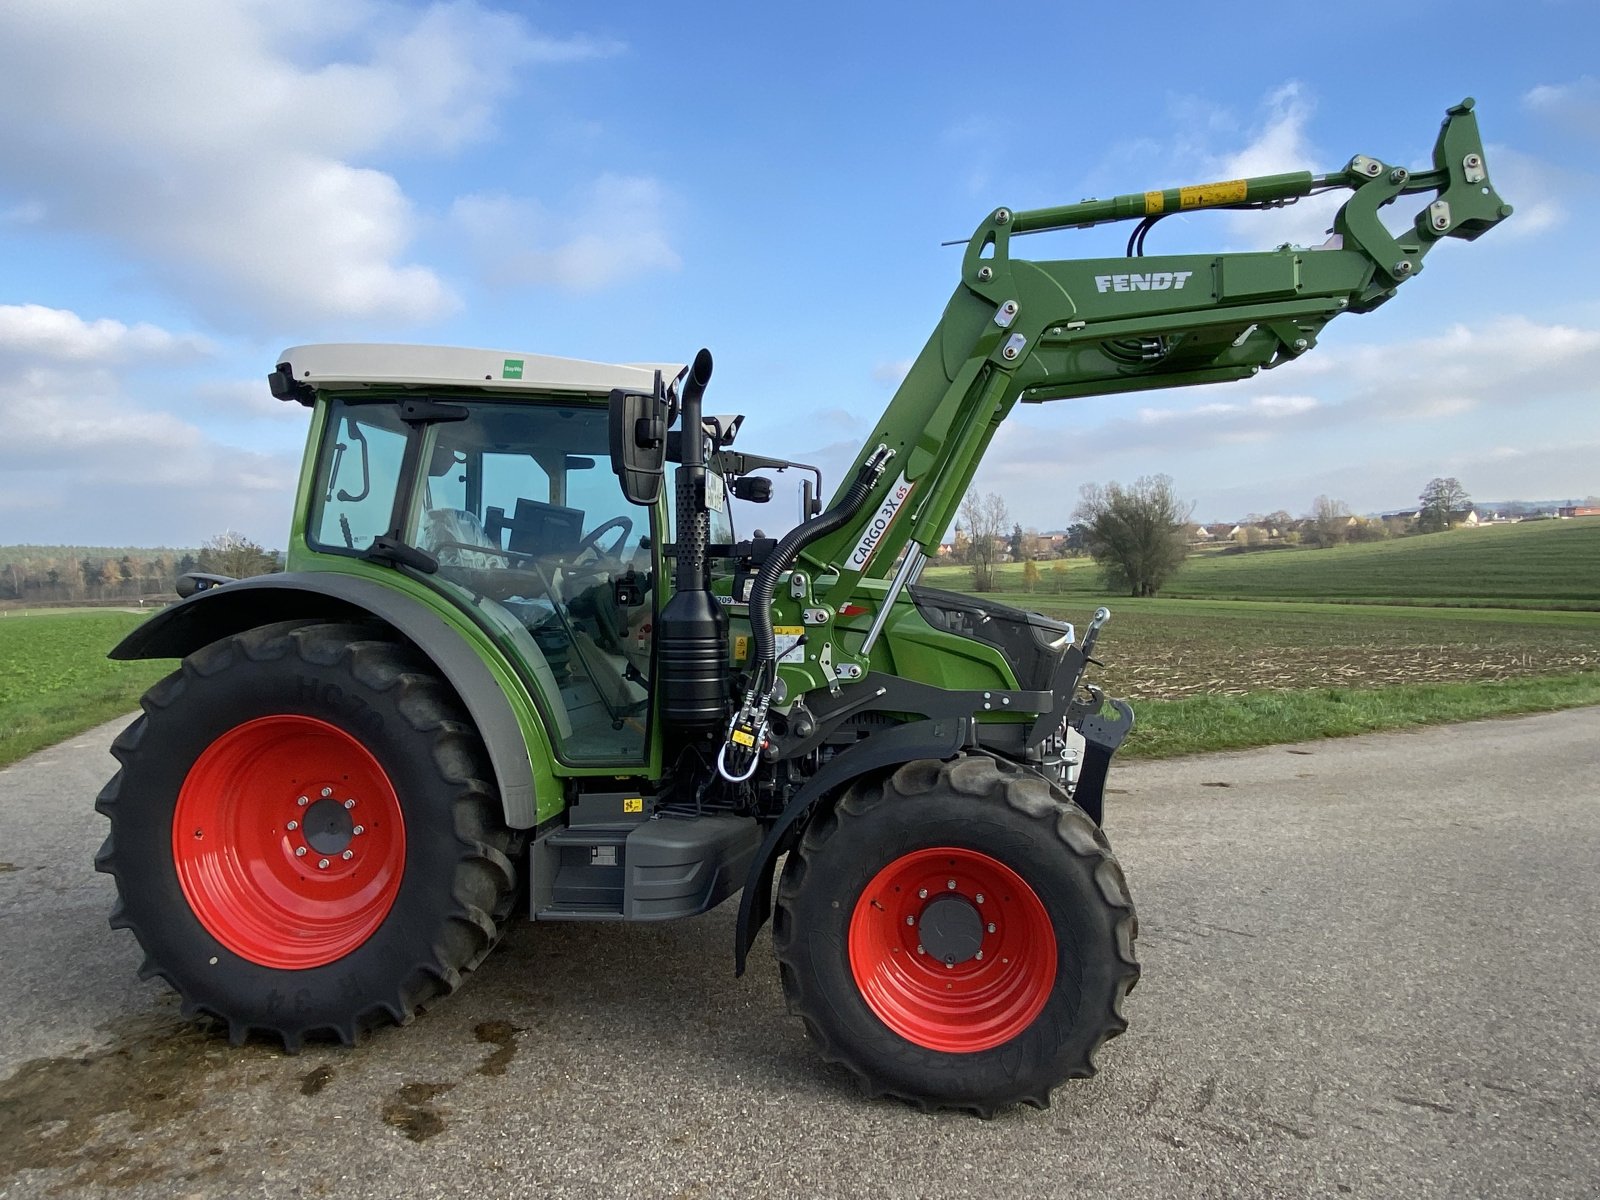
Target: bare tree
(1438,501)
(985,518)
(1135,533)
(234,554)
(1330,521)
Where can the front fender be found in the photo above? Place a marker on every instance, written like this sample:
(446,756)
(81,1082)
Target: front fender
(939,739)
(232,608)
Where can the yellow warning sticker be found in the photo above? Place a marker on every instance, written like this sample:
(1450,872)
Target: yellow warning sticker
(633,804)
(1207,194)
(743,738)
(741,647)
(1153,203)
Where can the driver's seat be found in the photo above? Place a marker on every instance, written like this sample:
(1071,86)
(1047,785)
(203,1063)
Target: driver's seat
(442,528)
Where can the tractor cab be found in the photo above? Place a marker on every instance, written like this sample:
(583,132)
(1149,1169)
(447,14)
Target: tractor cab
(499,493)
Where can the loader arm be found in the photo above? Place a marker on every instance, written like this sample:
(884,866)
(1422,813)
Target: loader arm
(1032,331)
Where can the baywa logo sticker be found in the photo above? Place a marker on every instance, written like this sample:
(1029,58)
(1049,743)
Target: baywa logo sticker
(879,525)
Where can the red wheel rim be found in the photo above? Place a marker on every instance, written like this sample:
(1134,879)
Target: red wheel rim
(975,1002)
(289,842)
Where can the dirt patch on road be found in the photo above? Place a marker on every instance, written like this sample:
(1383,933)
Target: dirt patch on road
(88,1115)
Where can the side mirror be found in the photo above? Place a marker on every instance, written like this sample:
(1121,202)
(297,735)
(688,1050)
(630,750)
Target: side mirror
(755,488)
(810,502)
(639,442)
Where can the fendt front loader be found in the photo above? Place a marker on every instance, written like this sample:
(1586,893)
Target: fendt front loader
(505,661)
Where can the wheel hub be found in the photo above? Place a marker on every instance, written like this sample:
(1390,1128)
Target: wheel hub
(951,929)
(328,826)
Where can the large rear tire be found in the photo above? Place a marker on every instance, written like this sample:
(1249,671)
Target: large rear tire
(304,833)
(959,935)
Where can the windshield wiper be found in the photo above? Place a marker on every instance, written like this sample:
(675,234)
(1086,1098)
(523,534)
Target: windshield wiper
(396,553)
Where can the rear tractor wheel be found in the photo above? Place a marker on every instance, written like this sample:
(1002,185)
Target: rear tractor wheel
(958,935)
(304,834)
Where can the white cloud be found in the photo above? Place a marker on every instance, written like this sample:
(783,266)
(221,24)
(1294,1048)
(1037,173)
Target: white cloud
(222,142)
(1280,143)
(614,230)
(1575,105)
(892,372)
(34,333)
(85,461)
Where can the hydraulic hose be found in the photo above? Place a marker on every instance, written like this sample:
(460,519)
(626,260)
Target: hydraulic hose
(747,731)
(764,644)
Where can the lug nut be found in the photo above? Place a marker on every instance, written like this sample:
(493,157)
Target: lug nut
(922,893)
(979,954)
(951,884)
(303,801)
(293,825)
(979,897)
(949,965)
(326,792)
(348,855)
(349,803)
(299,851)
(920,950)
(990,926)
(322,864)
(359,830)
(911,920)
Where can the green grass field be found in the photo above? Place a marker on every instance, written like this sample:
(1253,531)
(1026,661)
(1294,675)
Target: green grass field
(1545,564)
(55,679)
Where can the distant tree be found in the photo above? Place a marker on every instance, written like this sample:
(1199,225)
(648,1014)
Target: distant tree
(985,518)
(1030,575)
(1438,500)
(1330,522)
(1136,532)
(1369,531)
(236,555)
(1077,538)
(1014,543)
(186,564)
(1058,576)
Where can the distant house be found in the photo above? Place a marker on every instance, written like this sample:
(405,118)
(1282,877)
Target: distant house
(1578,510)
(1222,530)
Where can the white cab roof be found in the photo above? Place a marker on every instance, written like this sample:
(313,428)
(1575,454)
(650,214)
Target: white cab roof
(350,365)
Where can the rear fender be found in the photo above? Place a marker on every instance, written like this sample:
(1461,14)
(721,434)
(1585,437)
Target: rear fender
(939,739)
(220,612)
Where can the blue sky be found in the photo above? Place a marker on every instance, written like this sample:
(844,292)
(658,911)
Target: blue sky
(188,186)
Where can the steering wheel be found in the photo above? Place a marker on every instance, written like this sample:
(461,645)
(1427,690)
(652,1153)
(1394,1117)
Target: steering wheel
(590,542)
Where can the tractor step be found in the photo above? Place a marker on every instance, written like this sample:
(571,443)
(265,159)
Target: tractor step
(655,870)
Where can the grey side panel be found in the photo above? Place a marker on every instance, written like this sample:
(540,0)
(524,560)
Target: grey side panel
(234,607)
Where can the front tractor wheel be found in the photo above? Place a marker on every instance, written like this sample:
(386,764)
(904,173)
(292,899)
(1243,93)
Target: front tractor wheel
(303,833)
(958,935)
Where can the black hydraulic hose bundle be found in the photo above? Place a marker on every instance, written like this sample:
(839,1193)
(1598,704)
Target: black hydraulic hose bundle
(764,645)
(737,759)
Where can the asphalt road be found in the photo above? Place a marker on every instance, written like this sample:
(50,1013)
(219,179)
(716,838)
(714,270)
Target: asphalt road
(1372,967)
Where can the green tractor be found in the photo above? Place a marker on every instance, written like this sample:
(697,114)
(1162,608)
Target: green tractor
(507,667)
